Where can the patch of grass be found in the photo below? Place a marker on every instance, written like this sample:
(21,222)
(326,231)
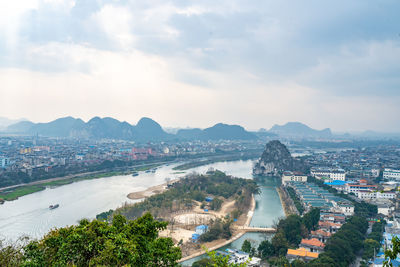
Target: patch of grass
(21,191)
(145,168)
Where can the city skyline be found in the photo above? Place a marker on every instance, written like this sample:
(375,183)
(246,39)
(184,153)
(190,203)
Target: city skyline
(188,64)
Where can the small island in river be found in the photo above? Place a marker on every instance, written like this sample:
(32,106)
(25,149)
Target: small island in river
(211,210)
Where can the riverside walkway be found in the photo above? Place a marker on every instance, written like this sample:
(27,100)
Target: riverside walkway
(257,229)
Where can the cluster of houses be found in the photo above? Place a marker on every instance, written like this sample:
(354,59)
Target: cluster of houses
(313,196)
(310,248)
(333,215)
(383,195)
(335,209)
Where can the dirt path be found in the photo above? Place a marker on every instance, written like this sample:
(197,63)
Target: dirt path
(222,242)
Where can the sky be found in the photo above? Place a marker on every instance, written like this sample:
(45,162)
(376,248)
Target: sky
(196,63)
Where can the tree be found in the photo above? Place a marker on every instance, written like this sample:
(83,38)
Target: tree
(292,227)
(370,247)
(280,244)
(93,243)
(218,260)
(311,219)
(391,254)
(204,262)
(265,249)
(246,246)
(10,254)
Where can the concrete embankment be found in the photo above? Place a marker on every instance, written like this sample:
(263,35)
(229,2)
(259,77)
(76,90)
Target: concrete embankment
(287,202)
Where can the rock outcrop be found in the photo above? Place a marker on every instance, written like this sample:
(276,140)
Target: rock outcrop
(275,159)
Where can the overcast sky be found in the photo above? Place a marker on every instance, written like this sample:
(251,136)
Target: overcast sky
(195,63)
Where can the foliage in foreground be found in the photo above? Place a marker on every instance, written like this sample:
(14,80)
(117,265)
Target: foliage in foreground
(94,243)
(392,254)
(216,260)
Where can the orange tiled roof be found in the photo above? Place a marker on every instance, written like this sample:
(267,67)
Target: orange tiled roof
(312,242)
(302,252)
(321,232)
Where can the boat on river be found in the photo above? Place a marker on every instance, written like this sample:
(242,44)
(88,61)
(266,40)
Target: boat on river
(52,207)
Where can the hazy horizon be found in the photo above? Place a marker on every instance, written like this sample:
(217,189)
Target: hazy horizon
(194,64)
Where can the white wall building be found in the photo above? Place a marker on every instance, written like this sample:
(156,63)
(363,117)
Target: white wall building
(365,194)
(4,162)
(293,176)
(391,174)
(332,174)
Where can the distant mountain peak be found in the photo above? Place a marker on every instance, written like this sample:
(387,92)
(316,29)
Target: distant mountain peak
(298,129)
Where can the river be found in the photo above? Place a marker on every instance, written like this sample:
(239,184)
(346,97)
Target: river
(29,215)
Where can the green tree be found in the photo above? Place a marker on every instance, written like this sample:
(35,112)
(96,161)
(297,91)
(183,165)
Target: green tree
(280,244)
(218,260)
(92,243)
(371,246)
(246,246)
(311,218)
(10,254)
(265,249)
(204,262)
(392,254)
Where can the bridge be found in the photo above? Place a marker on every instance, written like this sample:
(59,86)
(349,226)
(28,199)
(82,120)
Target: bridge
(257,229)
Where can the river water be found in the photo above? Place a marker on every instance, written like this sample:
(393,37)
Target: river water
(29,215)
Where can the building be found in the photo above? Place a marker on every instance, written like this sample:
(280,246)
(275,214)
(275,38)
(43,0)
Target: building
(337,184)
(328,173)
(361,186)
(385,209)
(201,229)
(338,174)
(4,162)
(367,194)
(329,226)
(347,208)
(312,245)
(293,177)
(301,253)
(321,235)
(391,174)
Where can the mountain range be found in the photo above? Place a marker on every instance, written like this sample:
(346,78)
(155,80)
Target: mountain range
(5,122)
(108,128)
(149,130)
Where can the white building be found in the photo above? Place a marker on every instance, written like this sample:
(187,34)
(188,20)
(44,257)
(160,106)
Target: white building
(4,162)
(345,208)
(332,174)
(366,194)
(338,175)
(391,174)
(293,177)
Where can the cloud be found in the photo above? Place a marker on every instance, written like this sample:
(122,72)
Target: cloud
(254,63)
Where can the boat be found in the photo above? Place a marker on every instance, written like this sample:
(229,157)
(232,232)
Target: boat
(52,207)
(135,174)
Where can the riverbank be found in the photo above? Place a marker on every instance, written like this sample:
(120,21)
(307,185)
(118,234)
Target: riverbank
(194,164)
(150,191)
(287,203)
(14,192)
(210,246)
